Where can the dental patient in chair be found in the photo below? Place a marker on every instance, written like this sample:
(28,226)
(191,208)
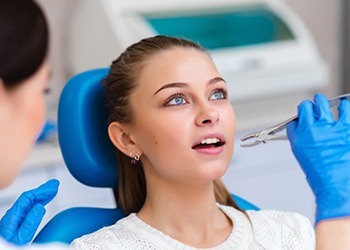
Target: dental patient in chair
(173,128)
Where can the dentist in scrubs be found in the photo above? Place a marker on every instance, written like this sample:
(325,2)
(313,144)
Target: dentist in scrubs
(24,77)
(321,145)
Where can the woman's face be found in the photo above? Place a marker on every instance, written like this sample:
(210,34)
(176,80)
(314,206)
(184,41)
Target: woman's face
(184,122)
(22,114)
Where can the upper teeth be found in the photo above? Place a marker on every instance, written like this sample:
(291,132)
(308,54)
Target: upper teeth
(210,141)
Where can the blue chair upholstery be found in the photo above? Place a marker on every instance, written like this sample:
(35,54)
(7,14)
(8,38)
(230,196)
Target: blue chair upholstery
(89,156)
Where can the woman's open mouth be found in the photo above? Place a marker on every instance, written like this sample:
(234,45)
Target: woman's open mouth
(210,145)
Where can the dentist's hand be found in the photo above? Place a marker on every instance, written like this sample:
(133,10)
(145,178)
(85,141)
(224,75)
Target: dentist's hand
(21,221)
(322,147)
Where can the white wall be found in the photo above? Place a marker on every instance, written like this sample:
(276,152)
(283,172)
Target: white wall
(323,18)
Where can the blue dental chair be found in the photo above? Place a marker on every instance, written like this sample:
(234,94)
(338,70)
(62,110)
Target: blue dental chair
(89,156)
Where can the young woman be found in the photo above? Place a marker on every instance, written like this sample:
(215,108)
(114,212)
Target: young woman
(173,126)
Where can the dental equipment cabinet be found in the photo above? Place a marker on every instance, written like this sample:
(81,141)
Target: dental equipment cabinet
(261,47)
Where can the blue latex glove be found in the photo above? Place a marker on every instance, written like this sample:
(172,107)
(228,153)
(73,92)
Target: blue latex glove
(322,147)
(21,221)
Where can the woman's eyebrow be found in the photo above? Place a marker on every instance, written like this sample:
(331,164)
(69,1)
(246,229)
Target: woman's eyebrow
(172,85)
(216,79)
(183,84)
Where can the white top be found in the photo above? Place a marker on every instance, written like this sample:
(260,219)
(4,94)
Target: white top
(264,229)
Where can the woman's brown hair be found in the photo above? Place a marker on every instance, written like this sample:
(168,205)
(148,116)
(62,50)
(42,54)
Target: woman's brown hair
(120,82)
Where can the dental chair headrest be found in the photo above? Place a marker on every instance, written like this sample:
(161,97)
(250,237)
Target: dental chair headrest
(82,130)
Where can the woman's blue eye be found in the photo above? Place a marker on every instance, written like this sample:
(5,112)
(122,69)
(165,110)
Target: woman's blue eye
(178,100)
(218,95)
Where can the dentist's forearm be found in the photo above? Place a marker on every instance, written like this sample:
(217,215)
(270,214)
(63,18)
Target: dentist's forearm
(333,234)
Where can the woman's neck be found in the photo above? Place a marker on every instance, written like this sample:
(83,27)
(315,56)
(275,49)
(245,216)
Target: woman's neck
(186,213)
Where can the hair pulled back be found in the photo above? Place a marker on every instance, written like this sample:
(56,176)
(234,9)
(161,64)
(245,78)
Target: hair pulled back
(119,84)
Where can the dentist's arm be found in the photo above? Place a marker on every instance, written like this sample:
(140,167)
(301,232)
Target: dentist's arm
(322,147)
(21,221)
(333,234)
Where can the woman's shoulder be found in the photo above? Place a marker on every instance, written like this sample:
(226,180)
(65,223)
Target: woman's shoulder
(274,229)
(279,218)
(273,218)
(116,236)
(282,228)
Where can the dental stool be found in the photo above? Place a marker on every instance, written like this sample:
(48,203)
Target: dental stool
(90,157)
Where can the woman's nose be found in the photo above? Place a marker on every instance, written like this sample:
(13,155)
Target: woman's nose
(207,115)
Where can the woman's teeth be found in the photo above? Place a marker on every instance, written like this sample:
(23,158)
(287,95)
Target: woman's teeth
(210,141)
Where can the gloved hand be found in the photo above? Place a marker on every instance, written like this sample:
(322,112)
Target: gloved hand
(322,147)
(21,221)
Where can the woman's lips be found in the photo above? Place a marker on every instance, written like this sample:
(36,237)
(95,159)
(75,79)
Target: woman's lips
(211,144)
(212,150)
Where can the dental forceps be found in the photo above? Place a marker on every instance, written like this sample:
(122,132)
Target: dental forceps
(268,134)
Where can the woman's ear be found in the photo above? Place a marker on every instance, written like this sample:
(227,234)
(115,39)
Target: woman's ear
(119,136)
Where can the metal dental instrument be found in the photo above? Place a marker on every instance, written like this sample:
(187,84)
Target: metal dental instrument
(268,134)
